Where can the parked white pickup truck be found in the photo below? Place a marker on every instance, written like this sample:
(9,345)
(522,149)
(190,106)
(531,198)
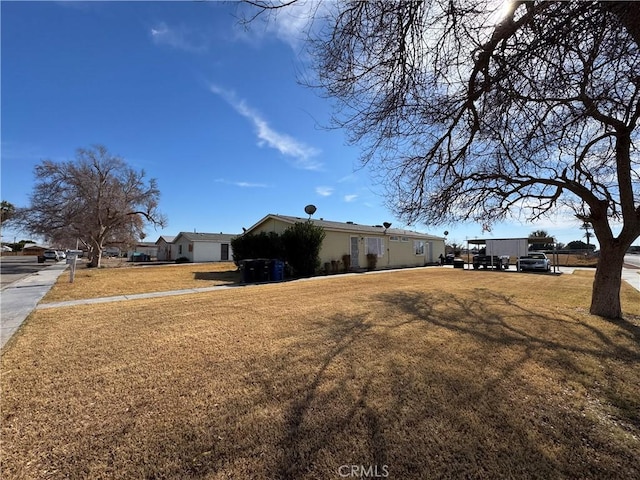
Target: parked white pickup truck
(534,261)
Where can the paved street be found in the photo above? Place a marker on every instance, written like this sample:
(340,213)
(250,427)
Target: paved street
(633,260)
(13,268)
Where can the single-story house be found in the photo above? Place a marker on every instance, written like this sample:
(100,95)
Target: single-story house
(394,247)
(165,244)
(33,249)
(203,247)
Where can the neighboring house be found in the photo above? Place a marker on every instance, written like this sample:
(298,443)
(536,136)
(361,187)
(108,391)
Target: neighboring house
(395,248)
(144,248)
(33,249)
(164,244)
(203,247)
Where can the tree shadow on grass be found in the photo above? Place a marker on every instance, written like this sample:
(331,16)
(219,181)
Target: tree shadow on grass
(497,318)
(301,442)
(228,277)
(449,422)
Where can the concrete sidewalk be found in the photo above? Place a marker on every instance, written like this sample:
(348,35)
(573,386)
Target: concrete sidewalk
(632,277)
(20,298)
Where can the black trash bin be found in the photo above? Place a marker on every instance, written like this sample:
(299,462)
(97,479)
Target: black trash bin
(248,271)
(256,270)
(262,270)
(458,263)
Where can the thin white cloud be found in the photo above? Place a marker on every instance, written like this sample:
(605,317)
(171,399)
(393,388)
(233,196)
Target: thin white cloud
(324,191)
(301,153)
(178,37)
(348,178)
(242,184)
(350,198)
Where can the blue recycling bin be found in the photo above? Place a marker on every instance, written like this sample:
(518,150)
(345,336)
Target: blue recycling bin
(277,270)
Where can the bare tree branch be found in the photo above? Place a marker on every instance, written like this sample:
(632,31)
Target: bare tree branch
(466,112)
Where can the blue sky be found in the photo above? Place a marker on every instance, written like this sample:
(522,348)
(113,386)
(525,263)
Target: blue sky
(212,111)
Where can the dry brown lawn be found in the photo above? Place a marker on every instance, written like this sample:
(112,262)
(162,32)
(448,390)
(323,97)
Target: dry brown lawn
(129,280)
(566,260)
(425,373)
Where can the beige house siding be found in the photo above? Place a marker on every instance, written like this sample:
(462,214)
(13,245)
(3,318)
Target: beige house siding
(341,240)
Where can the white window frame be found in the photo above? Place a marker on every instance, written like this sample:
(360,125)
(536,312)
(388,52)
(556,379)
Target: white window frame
(418,247)
(374,245)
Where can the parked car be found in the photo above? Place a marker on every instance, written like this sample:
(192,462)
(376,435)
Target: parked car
(52,255)
(111,252)
(534,261)
(61,254)
(491,261)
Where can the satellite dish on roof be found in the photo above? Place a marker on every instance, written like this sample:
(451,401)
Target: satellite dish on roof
(386,224)
(310,209)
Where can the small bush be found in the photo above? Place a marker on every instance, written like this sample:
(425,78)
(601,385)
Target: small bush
(372,261)
(346,260)
(182,260)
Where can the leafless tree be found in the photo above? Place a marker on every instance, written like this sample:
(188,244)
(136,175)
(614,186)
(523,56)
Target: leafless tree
(469,111)
(7,211)
(96,199)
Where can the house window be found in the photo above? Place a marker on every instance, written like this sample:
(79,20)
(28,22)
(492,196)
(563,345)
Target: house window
(405,239)
(394,238)
(418,246)
(375,245)
(180,249)
(191,247)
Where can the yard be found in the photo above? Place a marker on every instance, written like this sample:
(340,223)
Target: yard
(423,373)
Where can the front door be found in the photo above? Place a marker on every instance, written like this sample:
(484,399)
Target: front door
(355,252)
(224,251)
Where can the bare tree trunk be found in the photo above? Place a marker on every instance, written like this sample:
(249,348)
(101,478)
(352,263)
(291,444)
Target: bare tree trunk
(605,297)
(96,255)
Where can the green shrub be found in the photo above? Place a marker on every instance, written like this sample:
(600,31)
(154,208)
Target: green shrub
(260,245)
(299,246)
(302,242)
